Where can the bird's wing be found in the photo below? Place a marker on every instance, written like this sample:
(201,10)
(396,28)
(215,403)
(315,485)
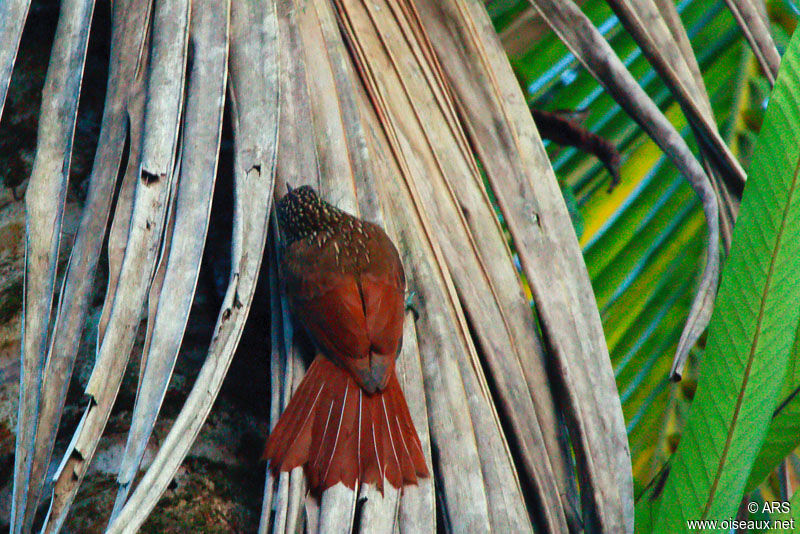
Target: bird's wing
(384,305)
(383,288)
(356,319)
(329,306)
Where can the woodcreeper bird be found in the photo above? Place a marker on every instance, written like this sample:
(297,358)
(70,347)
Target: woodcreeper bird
(348,421)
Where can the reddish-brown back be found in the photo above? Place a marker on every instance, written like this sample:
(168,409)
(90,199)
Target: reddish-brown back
(345,283)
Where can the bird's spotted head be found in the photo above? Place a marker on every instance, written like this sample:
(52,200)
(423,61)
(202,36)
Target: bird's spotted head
(301,214)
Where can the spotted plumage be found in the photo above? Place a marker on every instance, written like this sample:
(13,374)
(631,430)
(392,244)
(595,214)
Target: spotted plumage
(347,243)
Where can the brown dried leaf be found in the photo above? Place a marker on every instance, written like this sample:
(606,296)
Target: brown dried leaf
(153,189)
(44,203)
(254,93)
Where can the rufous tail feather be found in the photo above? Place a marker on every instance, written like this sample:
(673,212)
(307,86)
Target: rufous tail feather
(339,433)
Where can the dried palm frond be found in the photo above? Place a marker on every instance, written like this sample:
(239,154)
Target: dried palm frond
(44,212)
(12,20)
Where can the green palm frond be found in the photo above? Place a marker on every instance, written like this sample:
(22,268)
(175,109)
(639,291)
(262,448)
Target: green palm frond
(643,241)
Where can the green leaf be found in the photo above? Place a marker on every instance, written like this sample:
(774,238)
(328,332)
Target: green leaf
(783,435)
(752,329)
(647,503)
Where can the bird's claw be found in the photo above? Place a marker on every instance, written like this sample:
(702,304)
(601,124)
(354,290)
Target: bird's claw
(410,296)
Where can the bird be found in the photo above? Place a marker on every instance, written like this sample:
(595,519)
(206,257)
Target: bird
(348,420)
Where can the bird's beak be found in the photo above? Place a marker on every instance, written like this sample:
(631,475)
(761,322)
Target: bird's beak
(289,188)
